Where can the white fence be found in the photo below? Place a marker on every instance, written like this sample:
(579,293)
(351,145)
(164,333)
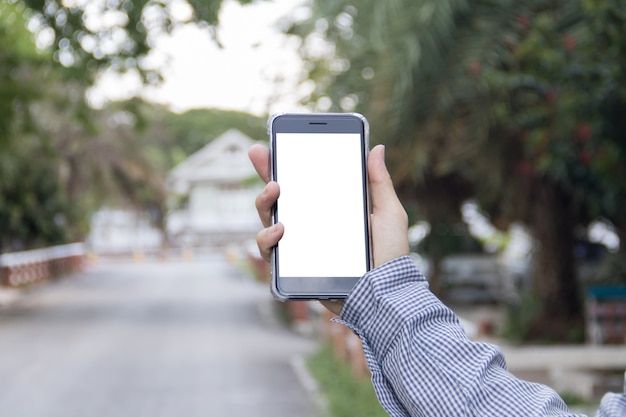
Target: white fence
(27,267)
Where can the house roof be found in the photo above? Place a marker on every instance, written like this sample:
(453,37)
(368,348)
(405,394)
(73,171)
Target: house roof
(224,159)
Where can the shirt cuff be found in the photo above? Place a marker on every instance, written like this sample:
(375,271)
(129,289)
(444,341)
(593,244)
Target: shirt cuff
(390,293)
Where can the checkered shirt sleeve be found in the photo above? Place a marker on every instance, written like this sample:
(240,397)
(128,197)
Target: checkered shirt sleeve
(421,361)
(612,405)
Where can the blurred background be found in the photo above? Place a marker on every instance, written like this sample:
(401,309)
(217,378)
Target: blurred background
(124,127)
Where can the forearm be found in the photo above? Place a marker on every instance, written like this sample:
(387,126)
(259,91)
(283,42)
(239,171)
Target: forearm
(422,362)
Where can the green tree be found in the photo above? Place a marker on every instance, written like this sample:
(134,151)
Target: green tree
(507,102)
(86,37)
(32,210)
(18,55)
(60,159)
(551,97)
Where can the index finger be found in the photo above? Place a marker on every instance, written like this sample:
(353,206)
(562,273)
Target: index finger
(260,158)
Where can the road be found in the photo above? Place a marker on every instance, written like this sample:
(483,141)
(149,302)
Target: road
(154,339)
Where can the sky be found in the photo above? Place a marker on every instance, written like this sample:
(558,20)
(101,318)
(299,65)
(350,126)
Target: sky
(256,71)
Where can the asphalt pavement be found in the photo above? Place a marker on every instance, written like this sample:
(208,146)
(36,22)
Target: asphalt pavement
(156,338)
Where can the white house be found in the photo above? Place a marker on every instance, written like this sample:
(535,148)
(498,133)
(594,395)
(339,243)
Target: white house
(213,194)
(122,231)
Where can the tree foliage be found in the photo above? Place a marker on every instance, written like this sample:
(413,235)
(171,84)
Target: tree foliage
(192,129)
(515,104)
(29,208)
(60,159)
(89,36)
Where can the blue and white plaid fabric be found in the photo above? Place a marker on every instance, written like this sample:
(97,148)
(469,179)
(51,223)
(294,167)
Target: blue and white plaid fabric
(423,364)
(612,404)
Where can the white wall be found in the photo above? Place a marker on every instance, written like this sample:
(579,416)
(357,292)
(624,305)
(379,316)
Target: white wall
(121,231)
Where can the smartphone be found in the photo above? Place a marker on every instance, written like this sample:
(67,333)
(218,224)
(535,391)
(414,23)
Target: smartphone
(319,161)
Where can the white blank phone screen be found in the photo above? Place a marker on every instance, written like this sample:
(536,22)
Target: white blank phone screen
(321,205)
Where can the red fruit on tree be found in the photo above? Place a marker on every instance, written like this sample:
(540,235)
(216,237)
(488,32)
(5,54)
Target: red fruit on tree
(583,132)
(474,67)
(523,20)
(569,42)
(552,95)
(525,168)
(584,158)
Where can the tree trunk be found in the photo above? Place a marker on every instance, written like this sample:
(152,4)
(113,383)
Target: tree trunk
(620,229)
(554,280)
(434,274)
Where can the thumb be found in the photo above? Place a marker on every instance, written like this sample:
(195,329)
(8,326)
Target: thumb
(382,193)
(389,221)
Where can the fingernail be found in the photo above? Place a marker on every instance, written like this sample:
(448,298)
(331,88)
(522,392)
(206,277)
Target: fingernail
(274,229)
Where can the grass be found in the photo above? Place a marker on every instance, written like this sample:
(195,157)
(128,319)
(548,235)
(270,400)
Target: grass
(346,395)
(572,399)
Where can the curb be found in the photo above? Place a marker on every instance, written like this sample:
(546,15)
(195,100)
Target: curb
(298,364)
(310,385)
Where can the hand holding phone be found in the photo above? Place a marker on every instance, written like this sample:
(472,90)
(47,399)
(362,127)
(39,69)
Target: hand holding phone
(388,219)
(319,162)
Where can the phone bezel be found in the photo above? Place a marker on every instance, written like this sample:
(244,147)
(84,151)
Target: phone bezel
(290,288)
